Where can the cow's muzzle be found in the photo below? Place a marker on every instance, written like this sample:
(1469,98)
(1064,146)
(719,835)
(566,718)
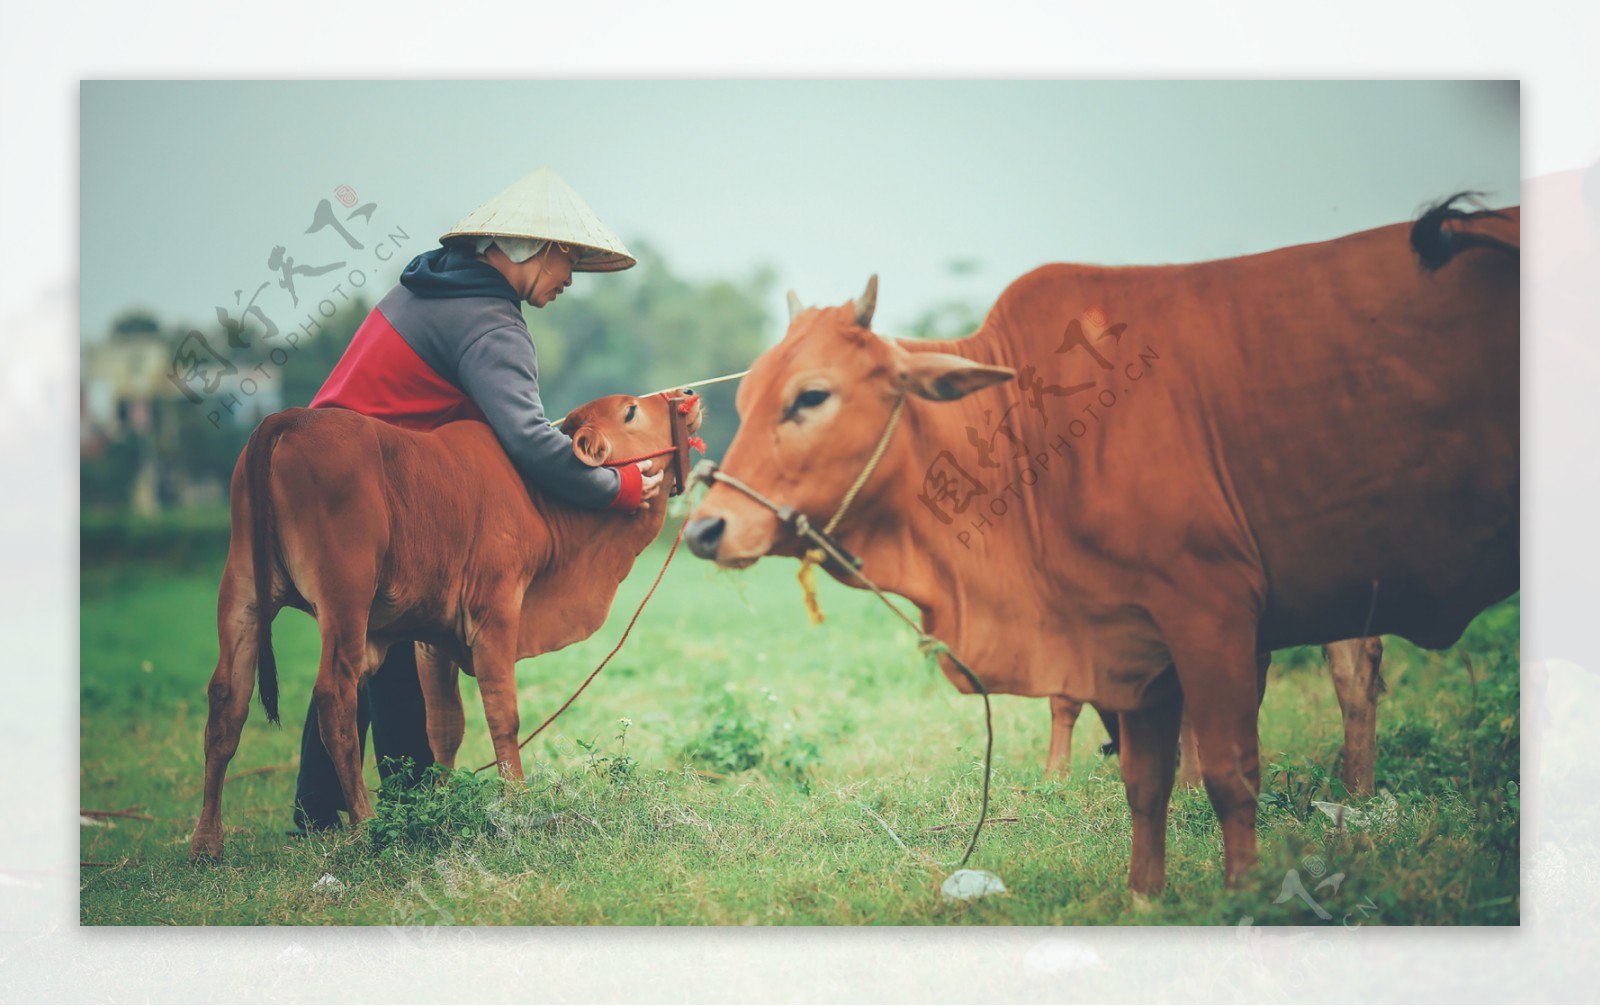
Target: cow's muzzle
(704,535)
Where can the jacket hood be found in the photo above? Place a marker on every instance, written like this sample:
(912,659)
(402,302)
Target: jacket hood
(452,270)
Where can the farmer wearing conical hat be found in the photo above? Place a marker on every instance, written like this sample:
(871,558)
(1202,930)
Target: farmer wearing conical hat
(449,342)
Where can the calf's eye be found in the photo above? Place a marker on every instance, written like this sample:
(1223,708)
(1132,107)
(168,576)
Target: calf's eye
(631,410)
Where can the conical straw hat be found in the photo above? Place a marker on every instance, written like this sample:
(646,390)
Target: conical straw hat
(544,207)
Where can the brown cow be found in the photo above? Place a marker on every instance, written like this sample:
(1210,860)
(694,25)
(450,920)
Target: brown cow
(1148,504)
(1355,666)
(387,536)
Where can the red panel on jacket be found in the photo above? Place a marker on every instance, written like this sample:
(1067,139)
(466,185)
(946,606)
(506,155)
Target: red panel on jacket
(383,377)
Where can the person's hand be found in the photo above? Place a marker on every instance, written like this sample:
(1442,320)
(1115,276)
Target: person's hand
(652,484)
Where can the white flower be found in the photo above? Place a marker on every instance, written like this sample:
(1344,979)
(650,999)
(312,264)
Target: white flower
(625,722)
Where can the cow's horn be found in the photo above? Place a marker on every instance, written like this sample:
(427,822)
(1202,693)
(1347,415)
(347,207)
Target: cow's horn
(795,307)
(867,303)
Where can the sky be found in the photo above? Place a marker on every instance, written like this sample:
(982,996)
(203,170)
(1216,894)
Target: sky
(187,186)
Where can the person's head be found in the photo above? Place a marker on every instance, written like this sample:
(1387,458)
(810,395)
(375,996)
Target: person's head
(539,232)
(539,277)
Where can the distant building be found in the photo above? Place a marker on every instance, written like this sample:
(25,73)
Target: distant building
(127,393)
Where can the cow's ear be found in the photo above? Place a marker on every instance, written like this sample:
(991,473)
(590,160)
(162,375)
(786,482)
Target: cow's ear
(591,446)
(943,377)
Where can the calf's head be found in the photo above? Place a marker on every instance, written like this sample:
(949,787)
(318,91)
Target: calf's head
(620,428)
(811,413)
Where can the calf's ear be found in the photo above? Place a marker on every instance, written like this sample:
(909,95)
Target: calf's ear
(944,377)
(591,446)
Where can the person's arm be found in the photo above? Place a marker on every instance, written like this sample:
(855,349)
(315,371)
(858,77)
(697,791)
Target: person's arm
(499,372)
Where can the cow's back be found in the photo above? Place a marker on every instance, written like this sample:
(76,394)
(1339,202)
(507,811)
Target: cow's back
(1321,417)
(1367,414)
(428,521)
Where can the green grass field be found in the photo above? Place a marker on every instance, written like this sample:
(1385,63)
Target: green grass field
(776,773)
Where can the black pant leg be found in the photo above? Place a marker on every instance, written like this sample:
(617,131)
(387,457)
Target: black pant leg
(318,797)
(399,714)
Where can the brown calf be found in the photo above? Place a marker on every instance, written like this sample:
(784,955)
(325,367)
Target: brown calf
(387,536)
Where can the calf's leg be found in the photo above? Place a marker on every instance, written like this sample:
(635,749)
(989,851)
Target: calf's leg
(232,684)
(494,662)
(346,656)
(441,691)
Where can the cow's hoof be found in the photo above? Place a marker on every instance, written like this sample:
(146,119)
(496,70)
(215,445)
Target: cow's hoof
(205,849)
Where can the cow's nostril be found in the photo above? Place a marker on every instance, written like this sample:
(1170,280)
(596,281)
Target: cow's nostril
(704,535)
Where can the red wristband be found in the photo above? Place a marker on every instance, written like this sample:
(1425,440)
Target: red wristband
(632,488)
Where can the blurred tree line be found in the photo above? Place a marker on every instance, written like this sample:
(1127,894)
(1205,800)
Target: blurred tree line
(649,329)
(633,332)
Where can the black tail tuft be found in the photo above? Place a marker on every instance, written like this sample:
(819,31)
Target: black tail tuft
(1436,243)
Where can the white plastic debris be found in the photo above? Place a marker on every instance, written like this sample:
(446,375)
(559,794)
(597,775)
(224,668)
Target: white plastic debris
(328,884)
(1340,814)
(970,885)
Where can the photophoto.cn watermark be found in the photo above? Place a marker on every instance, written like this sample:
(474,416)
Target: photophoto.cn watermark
(337,253)
(972,494)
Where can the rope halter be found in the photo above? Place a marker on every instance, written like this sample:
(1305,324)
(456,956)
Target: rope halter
(824,545)
(678,414)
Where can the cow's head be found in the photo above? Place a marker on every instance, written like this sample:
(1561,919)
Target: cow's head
(811,413)
(618,428)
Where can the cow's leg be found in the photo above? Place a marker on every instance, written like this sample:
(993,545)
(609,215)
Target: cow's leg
(1188,756)
(1223,681)
(346,656)
(494,662)
(1149,752)
(1063,717)
(441,690)
(1354,665)
(232,684)
(1189,773)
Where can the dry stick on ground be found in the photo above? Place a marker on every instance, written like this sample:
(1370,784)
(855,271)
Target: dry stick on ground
(115,813)
(119,864)
(968,824)
(886,827)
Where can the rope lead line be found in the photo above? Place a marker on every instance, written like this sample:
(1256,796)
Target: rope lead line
(691,384)
(825,547)
(932,646)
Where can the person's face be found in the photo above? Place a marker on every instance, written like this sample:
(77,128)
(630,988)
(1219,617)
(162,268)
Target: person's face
(547,274)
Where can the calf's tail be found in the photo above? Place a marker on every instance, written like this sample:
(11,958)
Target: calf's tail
(1437,236)
(258,472)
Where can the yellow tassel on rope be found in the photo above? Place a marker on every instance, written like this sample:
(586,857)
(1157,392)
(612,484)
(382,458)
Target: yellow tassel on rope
(808,582)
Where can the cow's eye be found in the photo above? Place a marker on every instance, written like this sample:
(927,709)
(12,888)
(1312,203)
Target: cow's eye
(805,400)
(631,410)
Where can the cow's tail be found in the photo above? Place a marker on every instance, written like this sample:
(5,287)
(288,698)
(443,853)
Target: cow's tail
(1437,236)
(258,472)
